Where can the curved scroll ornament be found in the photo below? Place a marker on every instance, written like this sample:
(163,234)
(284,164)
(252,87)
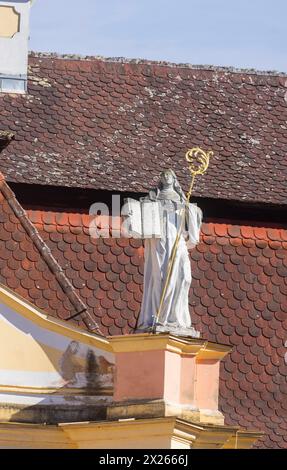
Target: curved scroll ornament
(198,163)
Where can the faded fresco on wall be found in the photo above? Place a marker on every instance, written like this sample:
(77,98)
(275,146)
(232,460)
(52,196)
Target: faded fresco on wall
(36,358)
(81,367)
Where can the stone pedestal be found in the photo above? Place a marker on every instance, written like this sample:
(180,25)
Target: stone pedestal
(165,375)
(171,329)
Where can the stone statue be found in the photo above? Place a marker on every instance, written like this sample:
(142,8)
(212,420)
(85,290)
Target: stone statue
(170,201)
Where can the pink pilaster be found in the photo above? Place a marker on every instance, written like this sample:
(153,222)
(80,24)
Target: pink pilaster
(180,372)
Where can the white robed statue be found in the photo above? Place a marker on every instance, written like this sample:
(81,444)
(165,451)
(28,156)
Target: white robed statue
(158,219)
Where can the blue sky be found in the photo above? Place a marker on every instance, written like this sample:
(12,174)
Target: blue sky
(239,33)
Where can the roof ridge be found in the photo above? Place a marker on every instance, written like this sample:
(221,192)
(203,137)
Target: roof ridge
(45,252)
(160,63)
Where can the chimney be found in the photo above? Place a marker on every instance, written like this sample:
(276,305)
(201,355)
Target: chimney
(14,37)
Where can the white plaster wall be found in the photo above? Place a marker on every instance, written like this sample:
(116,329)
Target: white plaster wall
(14,51)
(45,399)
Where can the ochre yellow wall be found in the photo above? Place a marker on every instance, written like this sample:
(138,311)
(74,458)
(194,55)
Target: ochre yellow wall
(9,21)
(20,351)
(154,433)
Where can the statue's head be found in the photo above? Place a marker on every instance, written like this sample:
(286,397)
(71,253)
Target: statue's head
(168,179)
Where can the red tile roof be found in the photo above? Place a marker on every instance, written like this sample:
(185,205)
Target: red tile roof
(28,266)
(114,125)
(238,297)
